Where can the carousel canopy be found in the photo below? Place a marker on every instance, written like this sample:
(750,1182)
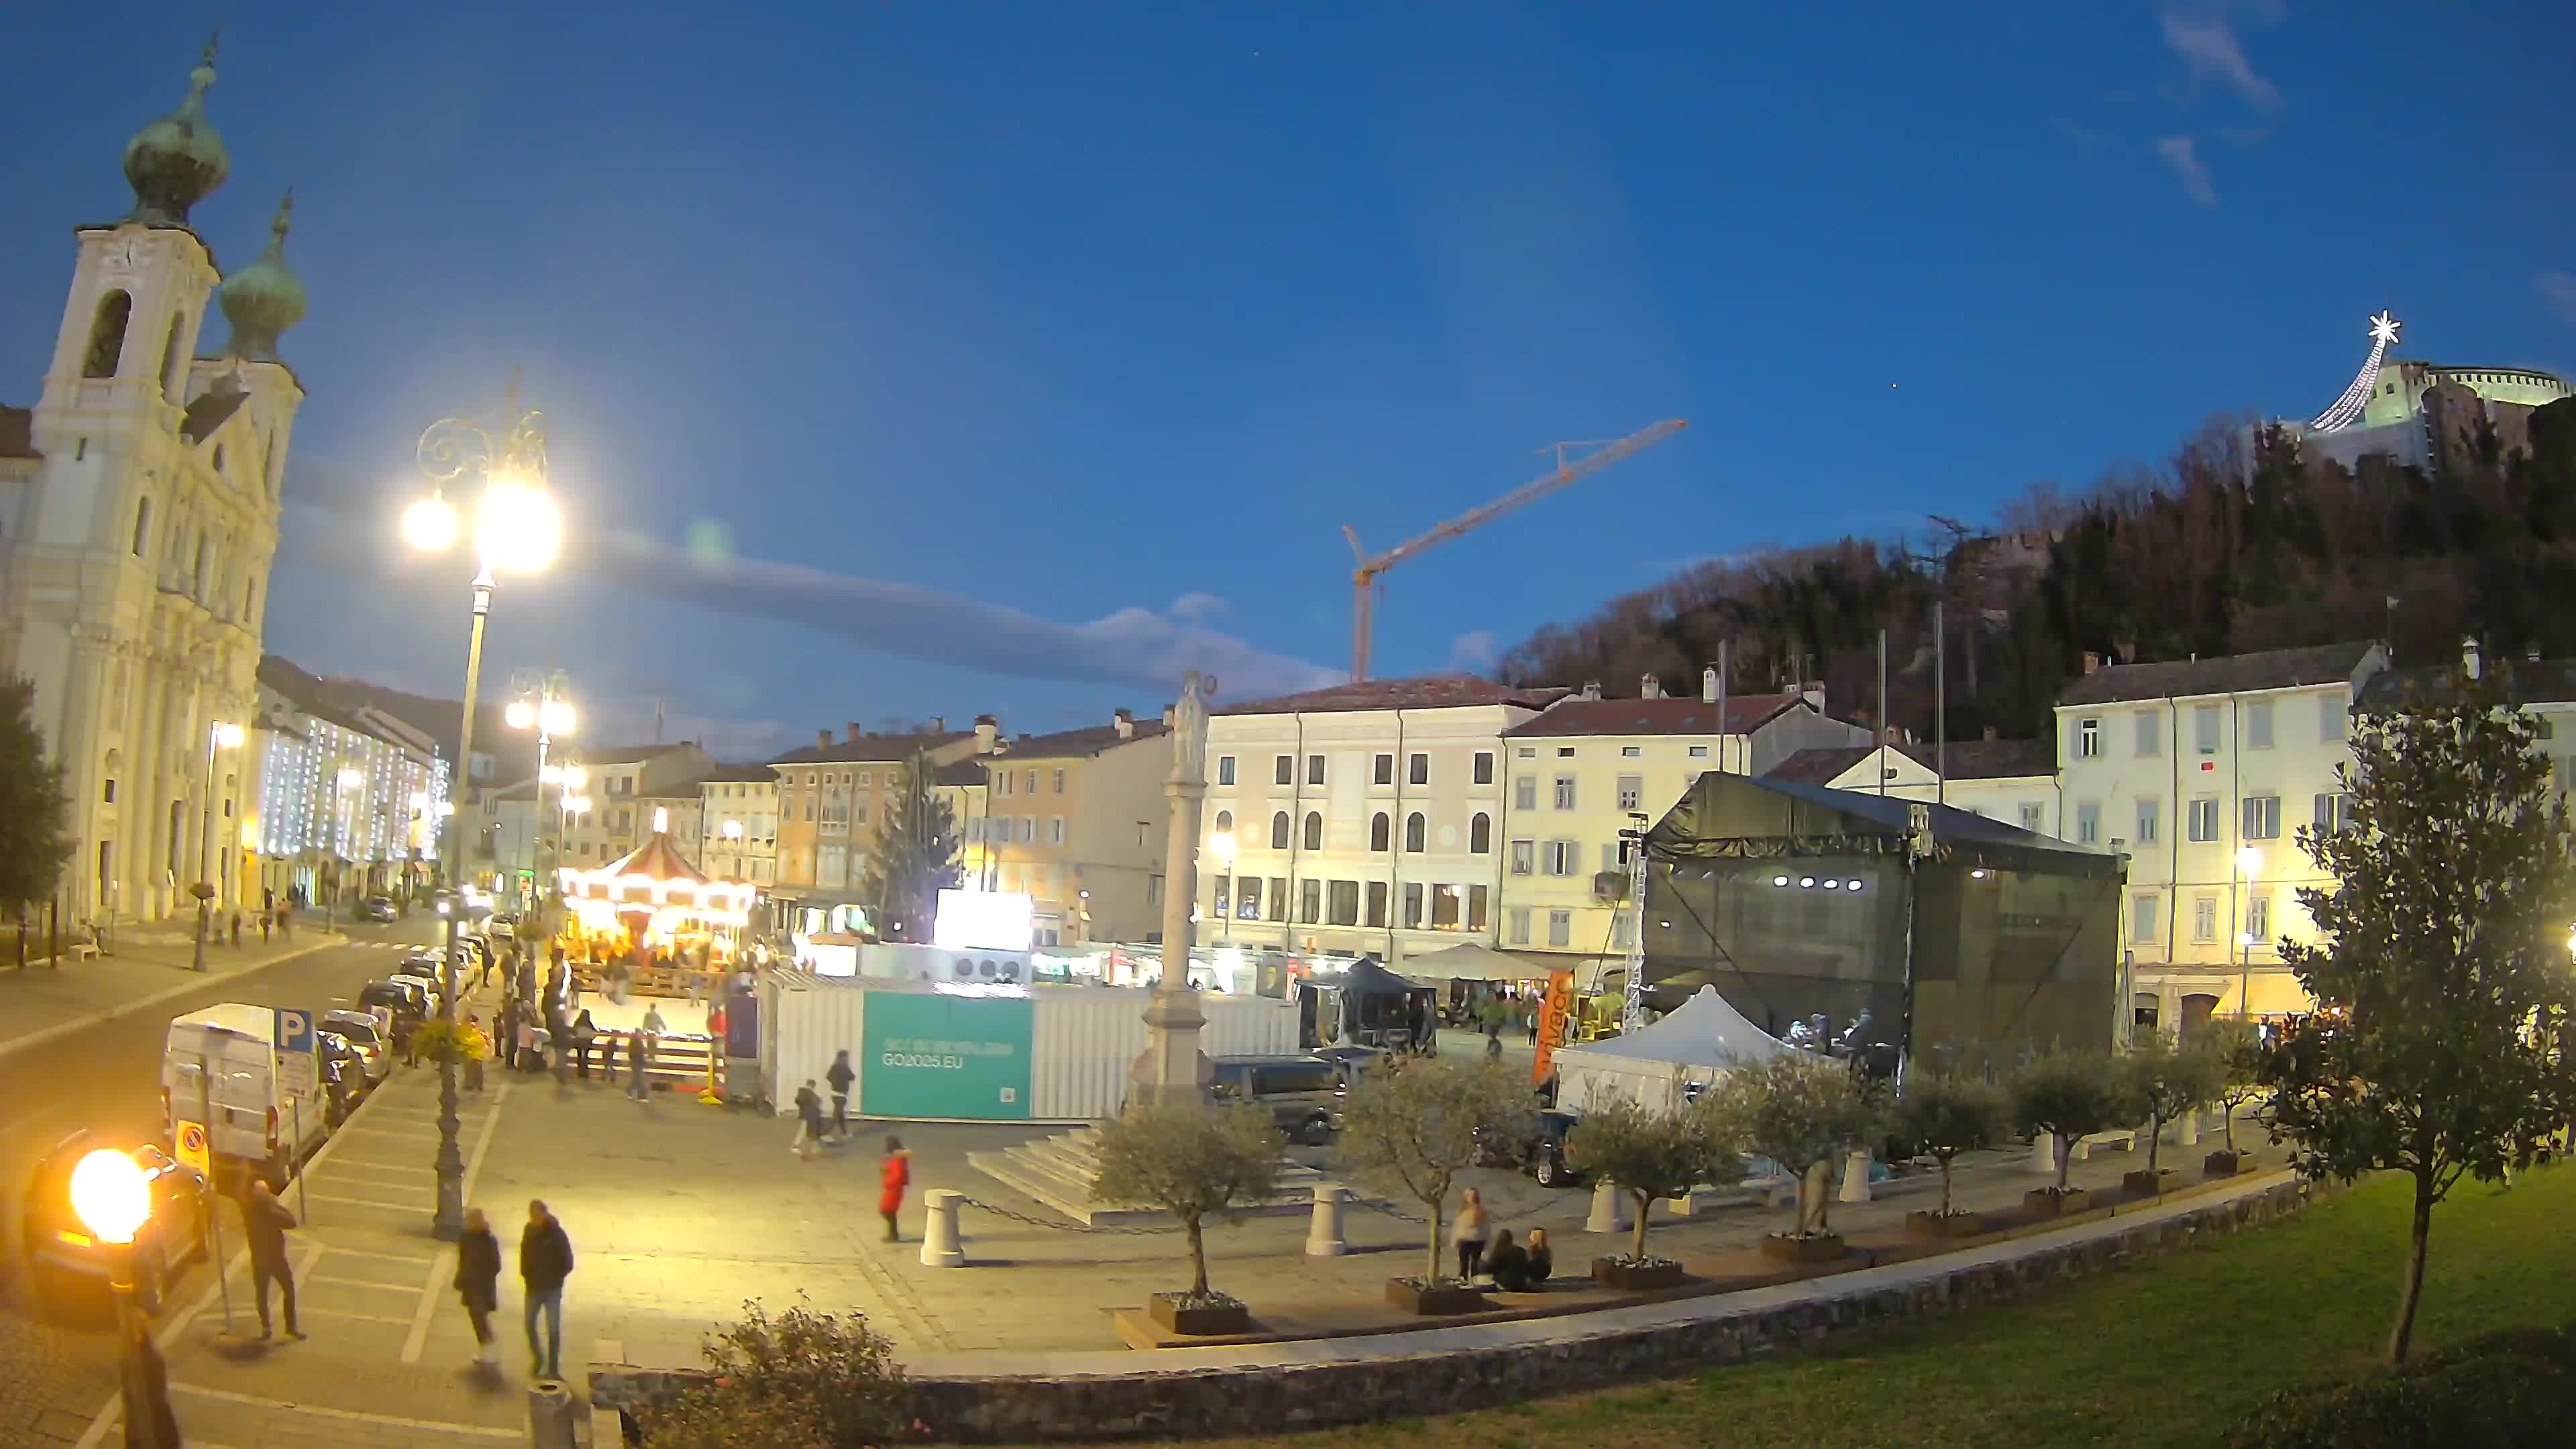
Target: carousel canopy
(656,859)
(656,875)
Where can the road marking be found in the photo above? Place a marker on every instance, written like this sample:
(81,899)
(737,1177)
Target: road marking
(443,1266)
(345,1313)
(480,1431)
(361,1283)
(387,1167)
(413,1259)
(388,1131)
(400,1207)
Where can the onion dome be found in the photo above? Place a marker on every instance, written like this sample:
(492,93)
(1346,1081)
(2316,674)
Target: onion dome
(263,299)
(176,161)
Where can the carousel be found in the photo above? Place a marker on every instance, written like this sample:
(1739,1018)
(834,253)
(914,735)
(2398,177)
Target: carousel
(653,909)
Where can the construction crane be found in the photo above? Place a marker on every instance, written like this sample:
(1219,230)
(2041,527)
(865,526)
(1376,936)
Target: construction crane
(1370,568)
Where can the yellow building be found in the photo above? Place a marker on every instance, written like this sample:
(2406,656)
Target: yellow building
(832,796)
(1077,821)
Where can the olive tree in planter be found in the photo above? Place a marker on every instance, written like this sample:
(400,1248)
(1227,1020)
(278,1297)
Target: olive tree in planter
(1803,1112)
(1194,1163)
(2165,1081)
(2067,1096)
(1944,1115)
(800,1380)
(1649,1155)
(1408,1130)
(2236,1050)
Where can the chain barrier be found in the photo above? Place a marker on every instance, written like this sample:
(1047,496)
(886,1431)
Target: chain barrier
(1002,1212)
(1518,1214)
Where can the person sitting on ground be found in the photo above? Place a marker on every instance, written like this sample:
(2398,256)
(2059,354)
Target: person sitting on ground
(1508,1262)
(1540,1258)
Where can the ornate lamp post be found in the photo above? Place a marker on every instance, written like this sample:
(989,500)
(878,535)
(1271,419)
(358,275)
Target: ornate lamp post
(541,705)
(516,530)
(112,1200)
(220,737)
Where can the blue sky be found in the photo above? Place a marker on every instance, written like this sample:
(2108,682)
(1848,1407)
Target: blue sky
(1015,357)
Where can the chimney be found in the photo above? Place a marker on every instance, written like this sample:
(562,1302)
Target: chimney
(2092,661)
(1708,685)
(939,724)
(1814,695)
(856,734)
(1124,723)
(822,739)
(1592,689)
(2469,663)
(1990,734)
(1650,688)
(987,728)
(1888,736)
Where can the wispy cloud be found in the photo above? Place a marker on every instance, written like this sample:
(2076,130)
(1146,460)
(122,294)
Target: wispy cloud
(1475,651)
(1196,607)
(2208,45)
(2184,157)
(2559,290)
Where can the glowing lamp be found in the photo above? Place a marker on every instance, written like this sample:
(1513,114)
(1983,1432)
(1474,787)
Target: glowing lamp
(228,736)
(351,779)
(111,1195)
(1221,845)
(2250,861)
(520,714)
(518,529)
(430,525)
(557,717)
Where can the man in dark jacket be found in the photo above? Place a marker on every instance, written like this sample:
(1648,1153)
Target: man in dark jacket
(265,1221)
(545,1261)
(840,1076)
(478,1281)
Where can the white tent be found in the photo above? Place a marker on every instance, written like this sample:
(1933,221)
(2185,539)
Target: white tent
(1471,962)
(1658,1065)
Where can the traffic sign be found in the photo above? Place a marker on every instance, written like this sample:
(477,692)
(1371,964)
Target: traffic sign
(293,1035)
(192,1148)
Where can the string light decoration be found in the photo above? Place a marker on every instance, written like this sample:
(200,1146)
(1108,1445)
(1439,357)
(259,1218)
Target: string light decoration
(2347,409)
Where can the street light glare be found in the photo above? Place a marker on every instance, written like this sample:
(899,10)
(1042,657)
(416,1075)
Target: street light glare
(518,528)
(2250,861)
(228,735)
(520,714)
(557,716)
(1221,845)
(350,779)
(430,525)
(110,1195)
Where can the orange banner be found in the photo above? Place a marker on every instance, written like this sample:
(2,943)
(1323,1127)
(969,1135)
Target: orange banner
(1553,1019)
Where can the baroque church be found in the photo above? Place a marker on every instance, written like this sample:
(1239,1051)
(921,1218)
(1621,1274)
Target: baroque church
(138,518)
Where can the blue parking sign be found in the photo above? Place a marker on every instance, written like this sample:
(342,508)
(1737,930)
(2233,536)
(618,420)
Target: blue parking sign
(294,1030)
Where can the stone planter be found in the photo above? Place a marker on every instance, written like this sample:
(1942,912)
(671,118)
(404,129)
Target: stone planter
(2146,1184)
(1438,1298)
(1945,1225)
(2223,1163)
(1174,1312)
(1814,1248)
(2048,1202)
(1636,1277)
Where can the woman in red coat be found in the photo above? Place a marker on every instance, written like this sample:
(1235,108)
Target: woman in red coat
(893,1178)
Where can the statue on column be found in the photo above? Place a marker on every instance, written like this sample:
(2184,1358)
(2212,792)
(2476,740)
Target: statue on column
(1189,729)
(1172,1069)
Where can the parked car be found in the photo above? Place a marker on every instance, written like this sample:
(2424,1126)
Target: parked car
(1304,1093)
(59,1245)
(1354,1061)
(342,1068)
(1535,1145)
(370,1034)
(379,908)
(403,998)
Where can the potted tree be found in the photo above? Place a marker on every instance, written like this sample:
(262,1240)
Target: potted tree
(1803,1112)
(1409,1129)
(1193,1162)
(1944,1115)
(1649,1155)
(2165,1081)
(2237,1049)
(2066,1096)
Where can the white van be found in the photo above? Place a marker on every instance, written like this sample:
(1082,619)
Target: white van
(224,1052)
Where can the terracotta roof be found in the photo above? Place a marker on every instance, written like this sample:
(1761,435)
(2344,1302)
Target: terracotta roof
(1966,760)
(1082,743)
(1446,691)
(2535,681)
(871,749)
(1688,715)
(18,433)
(2229,674)
(740,774)
(968,771)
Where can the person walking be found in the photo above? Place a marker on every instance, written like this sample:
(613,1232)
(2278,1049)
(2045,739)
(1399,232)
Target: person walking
(267,919)
(1471,1232)
(584,1032)
(809,1121)
(892,1179)
(264,1222)
(478,1281)
(635,1088)
(841,1076)
(473,1046)
(545,1261)
(236,930)
(1529,1018)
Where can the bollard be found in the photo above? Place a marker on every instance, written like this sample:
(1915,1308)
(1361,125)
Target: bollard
(1855,1177)
(550,1411)
(2043,1155)
(1324,1231)
(941,1246)
(1609,1210)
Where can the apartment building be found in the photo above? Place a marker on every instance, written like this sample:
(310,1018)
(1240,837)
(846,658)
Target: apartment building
(624,784)
(966,788)
(1363,818)
(738,823)
(832,796)
(2014,781)
(337,802)
(1583,766)
(1078,821)
(2202,772)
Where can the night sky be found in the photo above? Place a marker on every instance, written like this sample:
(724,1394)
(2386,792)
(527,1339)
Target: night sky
(913,359)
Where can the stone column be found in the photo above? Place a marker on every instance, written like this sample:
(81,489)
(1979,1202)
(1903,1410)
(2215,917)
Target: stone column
(1172,1069)
(1609,1210)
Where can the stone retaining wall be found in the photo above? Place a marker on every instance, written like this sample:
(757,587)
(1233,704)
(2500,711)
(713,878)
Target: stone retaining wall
(1207,1400)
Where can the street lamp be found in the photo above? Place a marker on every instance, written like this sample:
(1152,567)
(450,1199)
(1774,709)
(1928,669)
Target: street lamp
(732,833)
(2249,864)
(222,736)
(541,705)
(1221,845)
(112,1198)
(517,529)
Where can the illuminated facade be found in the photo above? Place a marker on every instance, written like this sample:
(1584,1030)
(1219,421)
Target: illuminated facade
(2422,414)
(346,802)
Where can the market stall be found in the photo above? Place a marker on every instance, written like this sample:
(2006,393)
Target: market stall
(1663,1065)
(654,916)
(1365,1004)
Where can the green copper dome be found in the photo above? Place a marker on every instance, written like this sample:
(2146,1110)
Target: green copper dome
(263,299)
(176,161)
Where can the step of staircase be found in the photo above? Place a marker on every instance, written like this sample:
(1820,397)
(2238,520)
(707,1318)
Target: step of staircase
(1057,1171)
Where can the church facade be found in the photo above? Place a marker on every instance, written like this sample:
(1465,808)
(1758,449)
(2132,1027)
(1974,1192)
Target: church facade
(140,502)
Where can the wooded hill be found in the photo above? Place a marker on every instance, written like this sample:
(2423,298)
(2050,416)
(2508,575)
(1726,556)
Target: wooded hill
(2240,543)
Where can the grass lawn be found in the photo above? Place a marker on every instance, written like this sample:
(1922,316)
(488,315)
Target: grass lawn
(2172,1352)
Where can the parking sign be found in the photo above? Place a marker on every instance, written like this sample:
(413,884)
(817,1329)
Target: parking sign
(293,1035)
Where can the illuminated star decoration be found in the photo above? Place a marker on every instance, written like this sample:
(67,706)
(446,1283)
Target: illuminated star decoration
(2383,330)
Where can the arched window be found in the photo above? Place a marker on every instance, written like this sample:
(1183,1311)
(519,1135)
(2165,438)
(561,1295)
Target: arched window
(171,383)
(142,526)
(107,335)
(1314,830)
(1279,831)
(1225,822)
(1480,834)
(1413,832)
(1378,831)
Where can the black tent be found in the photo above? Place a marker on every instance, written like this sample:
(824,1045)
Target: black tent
(1368,1005)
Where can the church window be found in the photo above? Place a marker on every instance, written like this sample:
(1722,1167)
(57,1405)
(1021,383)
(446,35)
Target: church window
(170,360)
(80,449)
(142,526)
(107,335)
(219,457)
